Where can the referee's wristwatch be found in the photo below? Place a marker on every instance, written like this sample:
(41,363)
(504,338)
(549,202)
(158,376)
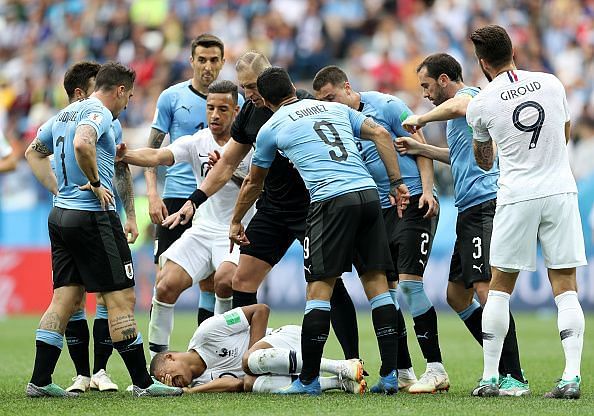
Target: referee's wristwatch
(96,184)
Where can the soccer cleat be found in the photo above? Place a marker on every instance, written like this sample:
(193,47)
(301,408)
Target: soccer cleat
(565,389)
(51,390)
(509,386)
(352,386)
(386,384)
(486,388)
(101,381)
(406,378)
(80,385)
(431,381)
(297,387)
(157,389)
(351,369)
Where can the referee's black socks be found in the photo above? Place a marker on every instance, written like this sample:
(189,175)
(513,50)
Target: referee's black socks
(244,298)
(314,333)
(77,339)
(384,316)
(344,320)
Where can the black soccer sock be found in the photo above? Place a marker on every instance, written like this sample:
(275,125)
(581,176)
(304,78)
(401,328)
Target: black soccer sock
(510,355)
(385,320)
(403,360)
(474,324)
(314,333)
(426,330)
(103,347)
(132,353)
(244,298)
(48,346)
(77,339)
(344,320)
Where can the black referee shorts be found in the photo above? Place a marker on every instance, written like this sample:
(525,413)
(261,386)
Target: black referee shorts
(344,228)
(470,260)
(164,237)
(89,248)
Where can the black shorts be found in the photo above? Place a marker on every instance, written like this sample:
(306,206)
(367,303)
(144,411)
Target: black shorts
(164,237)
(89,248)
(272,232)
(410,238)
(344,228)
(470,260)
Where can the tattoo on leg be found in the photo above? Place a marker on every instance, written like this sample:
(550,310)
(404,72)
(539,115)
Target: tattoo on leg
(51,322)
(123,327)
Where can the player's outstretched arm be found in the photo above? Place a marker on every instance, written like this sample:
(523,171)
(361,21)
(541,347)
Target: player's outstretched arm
(37,155)
(453,108)
(157,209)
(125,188)
(148,157)
(248,194)
(220,385)
(257,315)
(409,146)
(223,169)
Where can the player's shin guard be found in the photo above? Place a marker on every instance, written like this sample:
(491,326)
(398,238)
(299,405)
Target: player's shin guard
(275,361)
(160,326)
(403,360)
(271,383)
(384,316)
(495,326)
(132,353)
(207,305)
(48,346)
(77,339)
(570,320)
(102,344)
(243,298)
(344,320)
(314,333)
(510,355)
(222,305)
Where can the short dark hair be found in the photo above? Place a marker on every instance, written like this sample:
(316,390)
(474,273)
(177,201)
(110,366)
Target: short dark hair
(157,362)
(114,74)
(78,76)
(492,43)
(442,63)
(330,74)
(274,85)
(224,87)
(206,40)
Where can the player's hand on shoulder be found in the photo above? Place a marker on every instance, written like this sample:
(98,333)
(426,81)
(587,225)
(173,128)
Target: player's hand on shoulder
(413,123)
(157,209)
(183,216)
(237,235)
(103,194)
(407,146)
(432,205)
(121,150)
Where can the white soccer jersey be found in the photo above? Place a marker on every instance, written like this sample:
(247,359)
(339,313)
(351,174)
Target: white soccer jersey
(216,212)
(221,341)
(5,148)
(525,114)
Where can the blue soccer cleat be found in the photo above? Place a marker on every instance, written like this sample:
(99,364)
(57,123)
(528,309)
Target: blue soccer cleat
(387,384)
(297,387)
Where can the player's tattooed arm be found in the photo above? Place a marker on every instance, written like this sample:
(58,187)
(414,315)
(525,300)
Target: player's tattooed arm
(370,130)
(157,209)
(484,154)
(125,187)
(37,156)
(155,141)
(85,151)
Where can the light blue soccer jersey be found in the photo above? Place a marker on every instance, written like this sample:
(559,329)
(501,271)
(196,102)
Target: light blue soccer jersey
(181,111)
(318,137)
(93,113)
(472,185)
(389,112)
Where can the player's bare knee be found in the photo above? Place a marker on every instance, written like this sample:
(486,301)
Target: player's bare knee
(167,290)
(207,285)
(482,291)
(458,297)
(562,280)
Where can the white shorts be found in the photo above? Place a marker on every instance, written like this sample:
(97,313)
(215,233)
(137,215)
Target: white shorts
(200,252)
(287,337)
(553,220)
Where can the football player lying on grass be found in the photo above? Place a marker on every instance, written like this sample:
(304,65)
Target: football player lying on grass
(232,353)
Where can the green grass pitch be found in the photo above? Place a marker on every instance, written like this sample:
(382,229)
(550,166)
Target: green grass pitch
(541,354)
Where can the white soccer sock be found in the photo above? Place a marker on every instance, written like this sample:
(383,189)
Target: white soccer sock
(331,366)
(161,324)
(407,373)
(270,384)
(222,305)
(570,320)
(329,383)
(495,325)
(436,366)
(275,361)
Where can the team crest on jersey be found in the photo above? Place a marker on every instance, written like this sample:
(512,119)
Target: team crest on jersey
(129,270)
(96,117)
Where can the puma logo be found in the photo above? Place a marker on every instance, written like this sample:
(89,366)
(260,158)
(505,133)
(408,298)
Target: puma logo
(308,268)
(422,263)
(186,108)
(425,336)
(479,268)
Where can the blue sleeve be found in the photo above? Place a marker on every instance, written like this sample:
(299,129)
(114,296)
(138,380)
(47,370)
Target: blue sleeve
(356,118)
(117,128)
(240,100)
(98,117)
(163,115)
(44,134)
(265,148)
(396,111)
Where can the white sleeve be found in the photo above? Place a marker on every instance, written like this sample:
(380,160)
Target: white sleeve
(221,326)
(5,148)
(182,149)
(480,133)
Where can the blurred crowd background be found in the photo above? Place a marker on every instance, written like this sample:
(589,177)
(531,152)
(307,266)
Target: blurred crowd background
(378,42)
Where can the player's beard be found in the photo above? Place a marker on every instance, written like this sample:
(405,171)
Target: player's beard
(489,77)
